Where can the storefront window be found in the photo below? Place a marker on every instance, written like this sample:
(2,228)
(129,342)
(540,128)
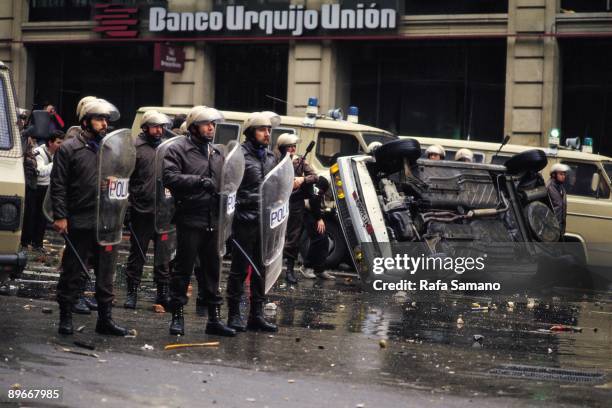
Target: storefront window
(586,6)
(446,89)
(586,102)
(455,6)
(78,10)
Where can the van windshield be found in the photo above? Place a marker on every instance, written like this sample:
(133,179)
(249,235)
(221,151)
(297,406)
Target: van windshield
(377,137)
(608,167)
(6,137)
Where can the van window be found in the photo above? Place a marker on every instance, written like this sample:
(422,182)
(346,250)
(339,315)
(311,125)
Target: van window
(500,159)
(579,180)
(226,132)
(608,167)
(331,145)
(450,155)
(276,132)
(6,137)
(377,137)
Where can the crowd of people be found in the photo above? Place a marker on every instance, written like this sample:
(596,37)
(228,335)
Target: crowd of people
(64,168)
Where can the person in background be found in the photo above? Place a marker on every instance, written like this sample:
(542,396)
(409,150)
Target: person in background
(558,194)
(435,152)
(464,155)
(44,163)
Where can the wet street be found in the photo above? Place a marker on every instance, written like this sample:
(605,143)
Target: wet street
(337,346)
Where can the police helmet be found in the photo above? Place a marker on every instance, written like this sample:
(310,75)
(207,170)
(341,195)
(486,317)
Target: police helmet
(287,139)
(435,149)
(99,107)
(202,114)
(257,120)
(559,168)
(154,118)
(465,155)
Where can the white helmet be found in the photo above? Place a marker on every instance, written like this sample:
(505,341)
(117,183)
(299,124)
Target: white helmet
(373,146)
(464,155)
(82,102)
(183,128)
(275,118)
(154,118)
(559,168)
(287,139)
(257,120)
(202,114)
(99,107)
(435,149)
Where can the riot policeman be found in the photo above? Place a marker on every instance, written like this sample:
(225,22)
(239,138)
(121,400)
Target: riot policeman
(558,194)
(192,172)
(315,226)
(74,189)
(304,178)
(259,161)
(435,152)
(142,208)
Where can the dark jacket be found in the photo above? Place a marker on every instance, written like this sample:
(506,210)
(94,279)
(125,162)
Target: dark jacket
(142,181)
(558,198)
(255,170)
(73,185)
(186,165)
(310,177)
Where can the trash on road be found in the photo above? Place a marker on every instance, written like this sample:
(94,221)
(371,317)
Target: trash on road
(84,344)
(148,347)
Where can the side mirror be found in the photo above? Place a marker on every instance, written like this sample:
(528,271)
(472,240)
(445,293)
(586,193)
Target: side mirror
(595,182)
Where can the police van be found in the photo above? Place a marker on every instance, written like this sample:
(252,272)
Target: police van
(334,138)
(589,198)
(12,181)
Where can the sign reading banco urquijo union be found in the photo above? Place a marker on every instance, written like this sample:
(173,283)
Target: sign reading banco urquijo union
(294,20)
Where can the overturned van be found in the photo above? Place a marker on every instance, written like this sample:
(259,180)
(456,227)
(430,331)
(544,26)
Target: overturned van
(464,221)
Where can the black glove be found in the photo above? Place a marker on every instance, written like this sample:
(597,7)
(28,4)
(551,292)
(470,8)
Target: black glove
(208,185)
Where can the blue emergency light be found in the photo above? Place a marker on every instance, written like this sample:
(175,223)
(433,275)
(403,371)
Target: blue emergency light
(353,114)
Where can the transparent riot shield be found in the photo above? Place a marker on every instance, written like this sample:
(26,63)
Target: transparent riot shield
(164,208)
(116,160)
(231,177)
(274,214)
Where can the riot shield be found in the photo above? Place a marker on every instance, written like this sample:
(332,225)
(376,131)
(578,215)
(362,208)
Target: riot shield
(48,206)
(73,131)
(164,208)
(274,214)
(116,160)
(231,177)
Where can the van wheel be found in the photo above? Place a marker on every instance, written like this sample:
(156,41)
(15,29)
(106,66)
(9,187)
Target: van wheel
(530,160)
(337,251)
(390,156)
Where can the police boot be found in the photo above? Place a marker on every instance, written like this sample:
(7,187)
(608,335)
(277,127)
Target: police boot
(177,325)
(65,323)
(162,298)
(80,307)
(106,324)
(257,322)
(234,318)
(132,294)
(215,325)
(290,276)
(91,303)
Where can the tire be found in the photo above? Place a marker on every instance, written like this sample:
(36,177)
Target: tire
(528,161)
(390,156)
(337,247)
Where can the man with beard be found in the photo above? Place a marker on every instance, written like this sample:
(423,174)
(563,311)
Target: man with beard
(259,161)
(142,209)
(73,189)
(192,173)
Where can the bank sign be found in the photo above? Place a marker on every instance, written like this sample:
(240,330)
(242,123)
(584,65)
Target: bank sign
(295,20)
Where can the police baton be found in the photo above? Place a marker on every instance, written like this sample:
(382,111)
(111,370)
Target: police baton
(247,257)
(78,257)
(140,251)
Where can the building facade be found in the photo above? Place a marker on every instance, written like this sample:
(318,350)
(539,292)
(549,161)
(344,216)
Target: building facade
(477,69)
